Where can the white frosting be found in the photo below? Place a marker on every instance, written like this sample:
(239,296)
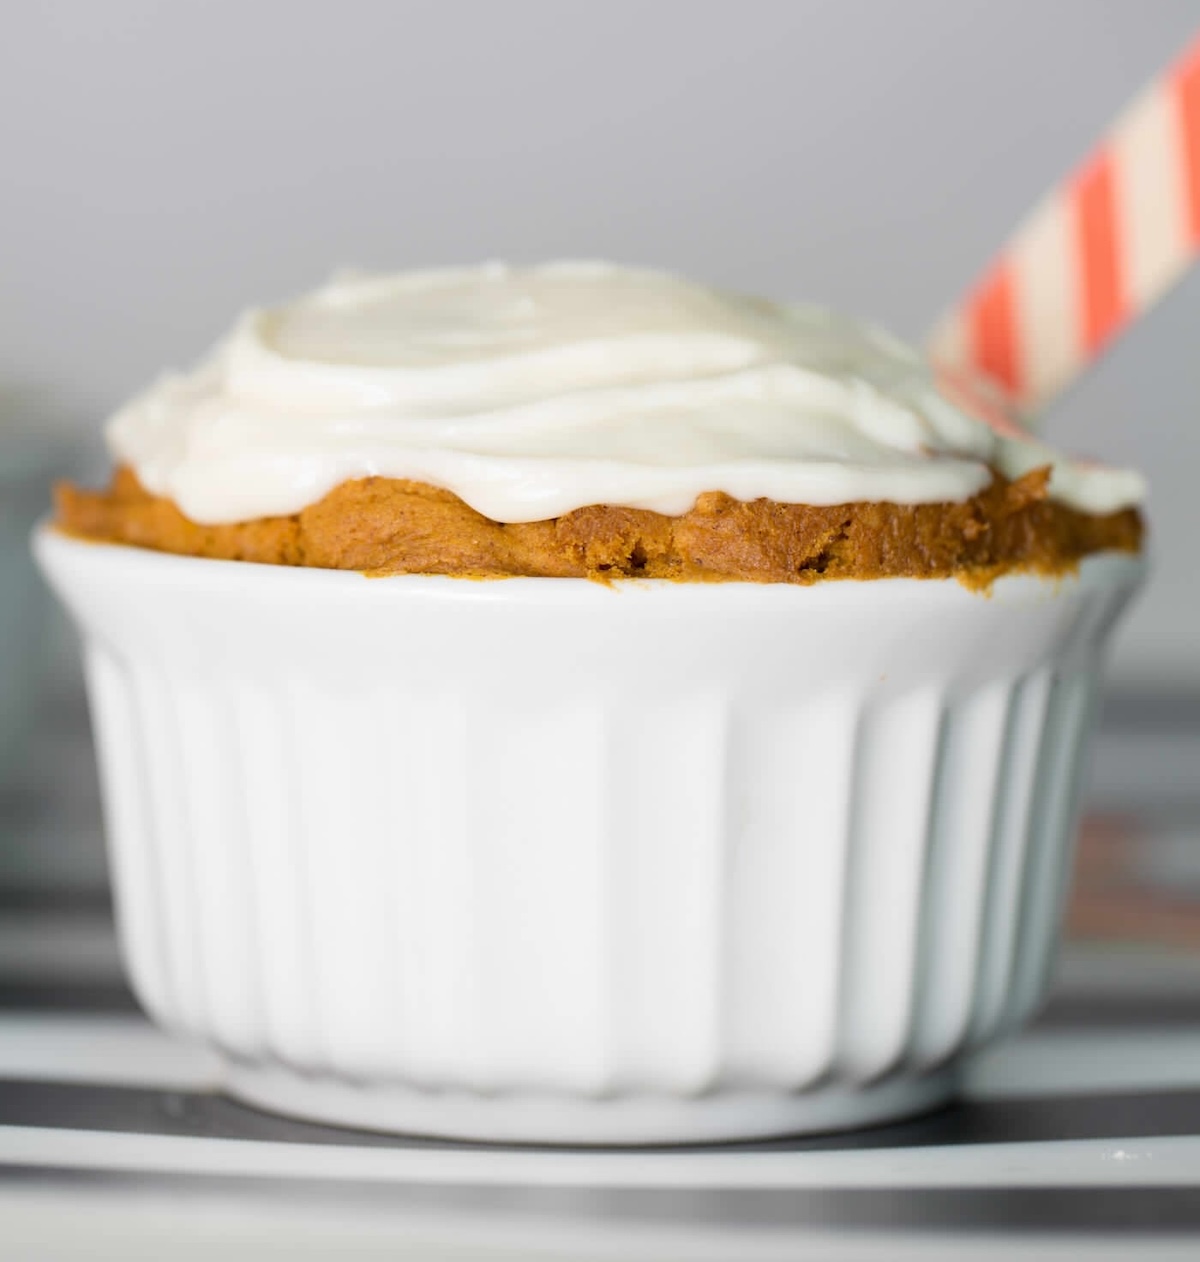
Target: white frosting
(529,392)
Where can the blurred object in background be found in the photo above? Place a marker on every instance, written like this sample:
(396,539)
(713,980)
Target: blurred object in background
(1137,876)
(29,460)
(55,919)
(1137,882)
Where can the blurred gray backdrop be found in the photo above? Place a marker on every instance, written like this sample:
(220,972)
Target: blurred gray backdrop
(164,164)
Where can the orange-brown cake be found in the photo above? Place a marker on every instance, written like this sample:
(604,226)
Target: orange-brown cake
(392,526)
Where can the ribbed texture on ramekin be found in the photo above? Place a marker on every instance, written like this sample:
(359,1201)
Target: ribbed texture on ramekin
(549,872)
(289,902)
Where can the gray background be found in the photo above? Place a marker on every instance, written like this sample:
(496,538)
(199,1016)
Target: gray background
(164,164)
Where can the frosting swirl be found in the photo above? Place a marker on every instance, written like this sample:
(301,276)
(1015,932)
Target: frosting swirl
(530,392)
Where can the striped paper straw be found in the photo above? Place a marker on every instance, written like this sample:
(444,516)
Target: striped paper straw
(1098,251)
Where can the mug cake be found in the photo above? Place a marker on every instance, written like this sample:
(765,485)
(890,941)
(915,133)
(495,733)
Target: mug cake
(738,802)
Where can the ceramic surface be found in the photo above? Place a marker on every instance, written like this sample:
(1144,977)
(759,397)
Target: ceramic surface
(541,859)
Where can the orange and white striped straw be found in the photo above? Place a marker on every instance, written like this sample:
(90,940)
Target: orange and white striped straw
(1098,251)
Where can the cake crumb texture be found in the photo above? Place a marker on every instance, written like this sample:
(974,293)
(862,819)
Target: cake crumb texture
(392,526)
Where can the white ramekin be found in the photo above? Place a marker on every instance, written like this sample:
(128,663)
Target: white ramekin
(538,859)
